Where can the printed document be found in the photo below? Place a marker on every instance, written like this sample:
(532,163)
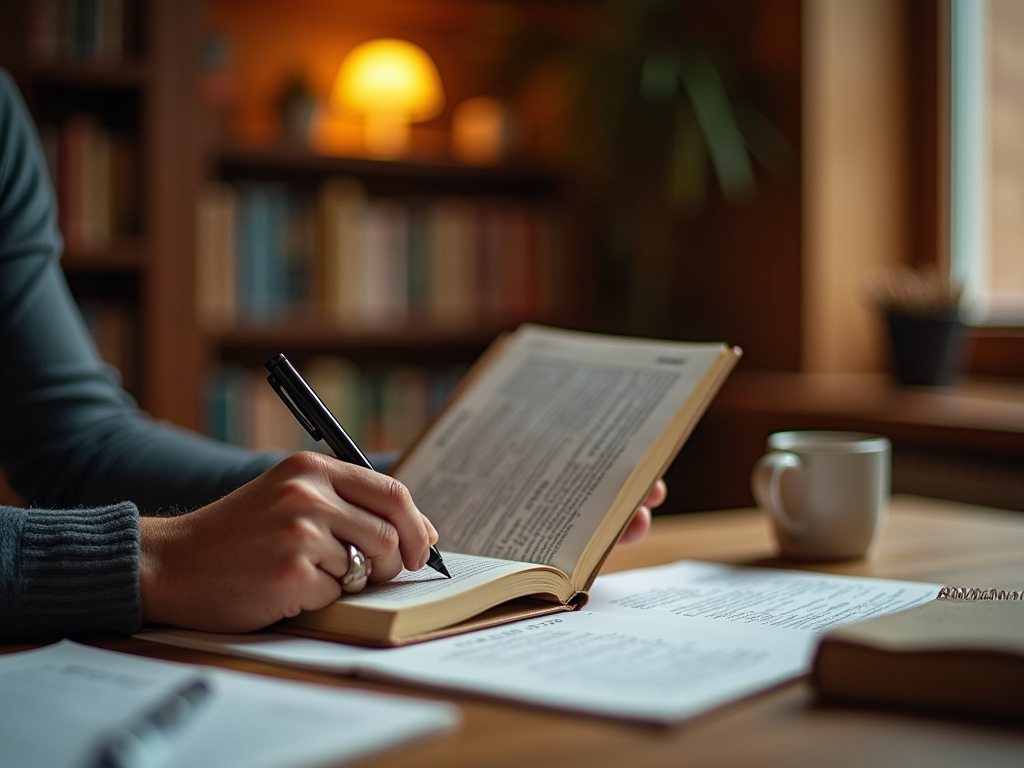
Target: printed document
(657,644)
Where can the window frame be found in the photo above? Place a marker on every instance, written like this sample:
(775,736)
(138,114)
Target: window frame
(994,350)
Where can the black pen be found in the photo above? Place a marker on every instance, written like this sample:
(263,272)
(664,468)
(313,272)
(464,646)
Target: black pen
(317,419)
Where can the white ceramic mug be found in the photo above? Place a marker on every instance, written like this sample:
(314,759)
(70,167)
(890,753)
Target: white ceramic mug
(826,492)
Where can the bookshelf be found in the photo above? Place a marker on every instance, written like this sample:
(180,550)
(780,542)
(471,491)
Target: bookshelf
(116,87)
(107,82)
(381,280)
(385,279)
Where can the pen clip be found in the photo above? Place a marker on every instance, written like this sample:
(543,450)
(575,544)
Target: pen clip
(315,433)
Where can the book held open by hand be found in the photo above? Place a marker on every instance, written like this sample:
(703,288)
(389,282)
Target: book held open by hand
(531,473)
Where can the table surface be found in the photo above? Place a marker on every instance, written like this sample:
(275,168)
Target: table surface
(923,539)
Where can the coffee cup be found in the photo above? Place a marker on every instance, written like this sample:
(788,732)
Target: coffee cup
(826,492)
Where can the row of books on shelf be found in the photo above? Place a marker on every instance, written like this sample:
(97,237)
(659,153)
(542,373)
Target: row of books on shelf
(382,408)
(83,30)
(266,250)
(94,170)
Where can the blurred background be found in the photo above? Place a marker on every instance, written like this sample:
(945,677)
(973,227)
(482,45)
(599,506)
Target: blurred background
(379,188)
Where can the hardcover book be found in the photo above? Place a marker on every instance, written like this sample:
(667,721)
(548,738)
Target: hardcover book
(956,656)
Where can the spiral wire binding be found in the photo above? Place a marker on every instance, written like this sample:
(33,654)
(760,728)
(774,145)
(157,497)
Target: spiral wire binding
(976,593)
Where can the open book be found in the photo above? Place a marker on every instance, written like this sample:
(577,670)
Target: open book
(530,474)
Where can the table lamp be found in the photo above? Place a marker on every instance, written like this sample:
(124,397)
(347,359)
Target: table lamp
(390,84)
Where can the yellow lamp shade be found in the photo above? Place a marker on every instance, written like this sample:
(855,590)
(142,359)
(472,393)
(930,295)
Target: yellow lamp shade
(389,83)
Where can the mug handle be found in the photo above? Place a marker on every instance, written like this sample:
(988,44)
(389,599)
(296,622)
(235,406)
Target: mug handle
(766,483)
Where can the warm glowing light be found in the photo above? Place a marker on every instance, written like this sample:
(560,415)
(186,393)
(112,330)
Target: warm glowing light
(479,131)
(390,84)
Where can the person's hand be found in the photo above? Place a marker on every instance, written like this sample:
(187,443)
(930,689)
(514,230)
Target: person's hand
(641,522)
(275,546)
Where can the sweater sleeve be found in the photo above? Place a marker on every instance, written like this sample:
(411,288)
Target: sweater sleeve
(69,571)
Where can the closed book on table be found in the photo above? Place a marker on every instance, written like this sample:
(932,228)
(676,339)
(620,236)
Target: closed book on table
(956,656)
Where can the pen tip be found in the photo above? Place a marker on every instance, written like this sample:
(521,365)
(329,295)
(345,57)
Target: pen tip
(435,562)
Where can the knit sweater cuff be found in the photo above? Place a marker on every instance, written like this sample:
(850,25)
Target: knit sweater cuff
(80,571)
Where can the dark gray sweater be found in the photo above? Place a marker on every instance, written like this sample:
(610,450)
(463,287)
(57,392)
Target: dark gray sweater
(74,446)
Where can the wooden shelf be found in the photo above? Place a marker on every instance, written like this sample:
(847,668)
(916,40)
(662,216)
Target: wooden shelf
(100,75)
(420,344)
(317,332)
(980,414)
(291,162)
(964,442)
(122,256)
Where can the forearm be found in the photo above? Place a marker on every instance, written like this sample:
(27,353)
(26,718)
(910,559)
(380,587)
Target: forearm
(70,435)
(155,465)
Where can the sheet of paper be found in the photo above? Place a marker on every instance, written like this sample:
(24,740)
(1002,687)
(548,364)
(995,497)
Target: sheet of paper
(646,669)
(58,701)
(290,650)
(698,635)
(759,596)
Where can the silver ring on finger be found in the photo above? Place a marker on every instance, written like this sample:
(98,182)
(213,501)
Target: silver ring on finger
(359,568)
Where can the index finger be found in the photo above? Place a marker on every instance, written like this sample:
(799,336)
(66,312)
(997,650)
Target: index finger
(388,499)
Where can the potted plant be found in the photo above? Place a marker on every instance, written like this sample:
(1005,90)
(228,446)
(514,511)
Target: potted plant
(927,334)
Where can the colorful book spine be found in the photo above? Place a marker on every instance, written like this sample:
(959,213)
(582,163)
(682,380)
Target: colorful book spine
(94,171)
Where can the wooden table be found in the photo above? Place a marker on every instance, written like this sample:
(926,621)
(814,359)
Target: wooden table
(923,540)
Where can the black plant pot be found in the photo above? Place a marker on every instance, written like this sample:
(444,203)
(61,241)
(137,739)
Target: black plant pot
(927,350)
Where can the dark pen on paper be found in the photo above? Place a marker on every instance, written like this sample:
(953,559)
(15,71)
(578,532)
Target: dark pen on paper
(147,741)
(317,419)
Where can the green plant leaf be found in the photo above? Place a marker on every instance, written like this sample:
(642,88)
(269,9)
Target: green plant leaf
(659,78)
(713,110)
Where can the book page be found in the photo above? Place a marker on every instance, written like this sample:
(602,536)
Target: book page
(525,464)
(411,588)
(764,597)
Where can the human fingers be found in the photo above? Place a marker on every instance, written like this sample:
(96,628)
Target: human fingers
(657,495)
(197,573)
(330,555)
(432,536)
(319,589)
(638,527)
(380,518)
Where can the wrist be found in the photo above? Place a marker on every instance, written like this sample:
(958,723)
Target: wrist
(158,537)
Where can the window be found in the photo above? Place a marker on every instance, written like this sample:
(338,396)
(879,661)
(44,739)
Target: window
(987,158)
